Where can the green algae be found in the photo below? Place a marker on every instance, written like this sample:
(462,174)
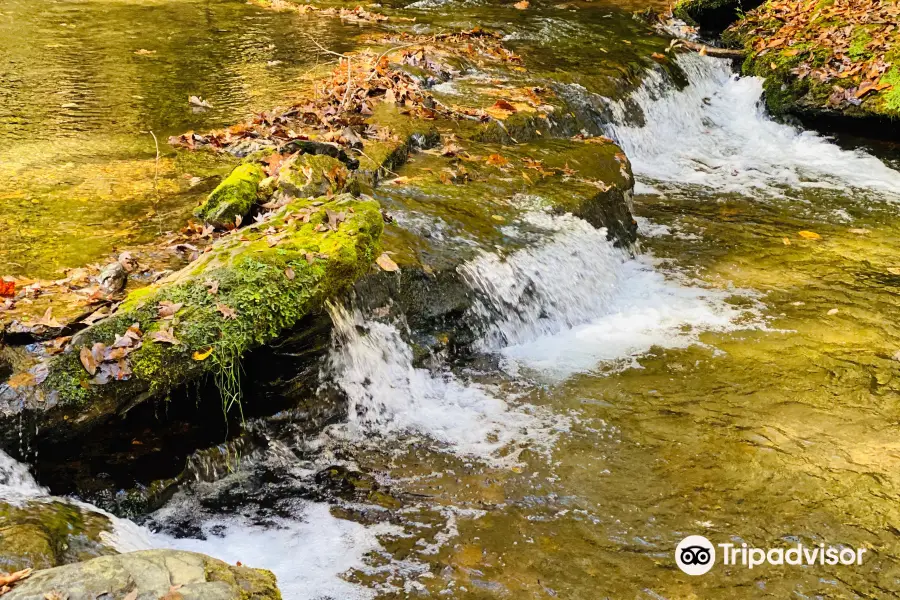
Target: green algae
(41,535)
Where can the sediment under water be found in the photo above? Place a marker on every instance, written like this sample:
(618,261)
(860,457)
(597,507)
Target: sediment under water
(735,380)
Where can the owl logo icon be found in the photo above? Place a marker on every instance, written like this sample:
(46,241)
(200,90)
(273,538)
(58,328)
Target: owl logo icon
(695,555)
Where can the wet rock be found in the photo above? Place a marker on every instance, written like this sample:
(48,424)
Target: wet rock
(152,574)
(268,277)
(313,175)
(234,197)
(112,278)
(44,534)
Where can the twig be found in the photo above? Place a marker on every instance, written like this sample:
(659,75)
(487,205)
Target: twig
(710,50)
(385,53)
(156,181)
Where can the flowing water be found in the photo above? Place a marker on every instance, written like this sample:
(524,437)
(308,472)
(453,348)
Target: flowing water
(735,379)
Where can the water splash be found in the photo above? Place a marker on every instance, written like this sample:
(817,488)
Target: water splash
(576,303)
(373,365)
(16,482)
(715,133)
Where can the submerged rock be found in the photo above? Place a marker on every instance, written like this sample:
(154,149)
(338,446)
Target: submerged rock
(247,289)
(234,197)
(150,574)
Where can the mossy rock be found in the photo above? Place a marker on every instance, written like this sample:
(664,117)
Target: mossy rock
(234,197)
(792,89)
(40,535)
(313,175)
(152,574)
(712,16)
(266,283)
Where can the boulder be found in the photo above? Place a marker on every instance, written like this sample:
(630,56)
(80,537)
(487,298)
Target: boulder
(247,289)
(835,63)
(149,575)
(43,534)
(234,197)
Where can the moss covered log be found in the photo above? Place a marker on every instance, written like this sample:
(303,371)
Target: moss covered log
(248,288)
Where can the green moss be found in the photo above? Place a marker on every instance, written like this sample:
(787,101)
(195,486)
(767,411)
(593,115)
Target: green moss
(254,584)
(252,273)
(857,50)
(234,197)
(313,175)
(891,98)
(42,535)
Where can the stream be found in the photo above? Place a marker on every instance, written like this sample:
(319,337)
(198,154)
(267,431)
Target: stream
(733,378)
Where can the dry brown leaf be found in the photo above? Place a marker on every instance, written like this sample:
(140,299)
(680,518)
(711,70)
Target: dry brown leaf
(167,309)
(809,235)
(212,286)
(289,273)
(10,578)
(19,380)
(386,263)
(227,311)
(87,360)
(165,336)
(496,160)
(522,5)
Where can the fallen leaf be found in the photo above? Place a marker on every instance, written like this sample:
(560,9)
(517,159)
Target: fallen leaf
(809,235)
(893,270)
(226,311)
(167,309)
(289,273)
(14,577)
(212,286)
(87,360)
(504,105)
(199,102)
(786,241)
(165,336)
(7,288)
(496,160)
(132,595)
(56,595)
(833,311)
(386,263)
(522,5)
(19,380)
(145,52)
(202,355)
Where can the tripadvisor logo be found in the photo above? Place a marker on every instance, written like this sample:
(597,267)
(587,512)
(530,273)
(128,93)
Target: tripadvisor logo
(696,555)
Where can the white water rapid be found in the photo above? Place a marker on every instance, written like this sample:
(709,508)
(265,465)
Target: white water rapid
(715,133)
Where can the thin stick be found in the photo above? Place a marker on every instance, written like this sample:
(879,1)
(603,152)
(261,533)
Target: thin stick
(385,53)
(156,181)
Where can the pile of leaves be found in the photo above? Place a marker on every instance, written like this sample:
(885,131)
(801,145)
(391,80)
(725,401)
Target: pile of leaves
(847,44)
(346,97)
(352,15)
(108,363)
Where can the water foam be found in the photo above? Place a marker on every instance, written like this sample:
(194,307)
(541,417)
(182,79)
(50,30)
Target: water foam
(715,133)
(308,553)
(576,303)
(373,365)
(16,482)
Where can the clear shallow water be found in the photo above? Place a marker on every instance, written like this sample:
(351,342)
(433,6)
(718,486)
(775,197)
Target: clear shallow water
(707,386)
(79,96)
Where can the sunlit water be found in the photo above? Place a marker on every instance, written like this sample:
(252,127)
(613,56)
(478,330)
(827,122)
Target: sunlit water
(82,85)
(735,380)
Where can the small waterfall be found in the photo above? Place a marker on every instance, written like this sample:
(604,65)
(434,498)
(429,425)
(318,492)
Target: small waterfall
(575,303)
(715,133)
(16,483)
(373,365)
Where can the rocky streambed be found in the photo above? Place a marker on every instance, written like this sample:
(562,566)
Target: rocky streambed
(411,313)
